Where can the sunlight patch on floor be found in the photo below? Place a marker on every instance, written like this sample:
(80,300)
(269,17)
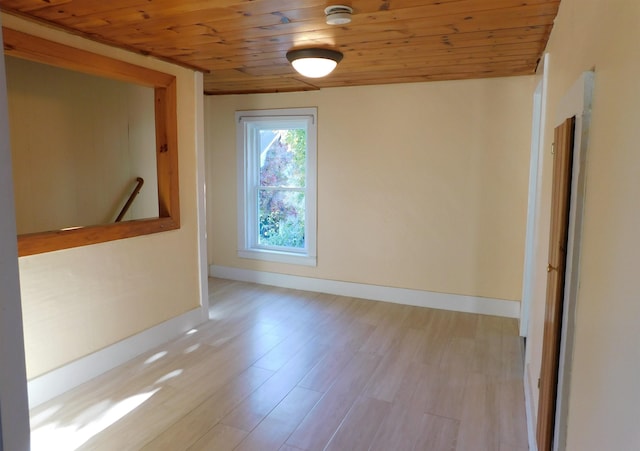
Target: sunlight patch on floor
(155,357)
(74,434)
(168,376)
(43,416)
(192,348)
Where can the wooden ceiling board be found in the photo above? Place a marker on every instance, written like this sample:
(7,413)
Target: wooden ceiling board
(241,44)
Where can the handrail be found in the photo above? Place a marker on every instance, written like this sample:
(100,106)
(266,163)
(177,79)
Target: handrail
(132,197)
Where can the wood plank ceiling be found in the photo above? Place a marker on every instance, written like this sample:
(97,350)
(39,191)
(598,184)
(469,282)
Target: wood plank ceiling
(241,44)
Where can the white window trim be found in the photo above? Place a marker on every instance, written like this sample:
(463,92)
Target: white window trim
(247,247)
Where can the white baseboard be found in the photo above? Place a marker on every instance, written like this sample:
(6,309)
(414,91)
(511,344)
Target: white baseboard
(60,380)
(528,404)
(419,298)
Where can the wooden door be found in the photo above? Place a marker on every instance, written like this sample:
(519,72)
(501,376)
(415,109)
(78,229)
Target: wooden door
(560,196)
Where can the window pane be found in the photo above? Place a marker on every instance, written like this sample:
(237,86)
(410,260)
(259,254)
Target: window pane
(281,218)
(283,156)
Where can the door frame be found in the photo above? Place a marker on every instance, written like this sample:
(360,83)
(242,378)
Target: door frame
(533,204)
(14,407)
(576,102)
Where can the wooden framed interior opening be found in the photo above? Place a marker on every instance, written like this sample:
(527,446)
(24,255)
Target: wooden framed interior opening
(25,46)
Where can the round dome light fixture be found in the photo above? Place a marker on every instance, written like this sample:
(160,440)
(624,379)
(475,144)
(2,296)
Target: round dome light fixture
(338,14)
(314,63)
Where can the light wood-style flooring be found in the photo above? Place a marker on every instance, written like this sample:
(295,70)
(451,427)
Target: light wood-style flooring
(278,369)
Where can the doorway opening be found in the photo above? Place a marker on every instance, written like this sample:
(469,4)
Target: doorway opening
(577,102)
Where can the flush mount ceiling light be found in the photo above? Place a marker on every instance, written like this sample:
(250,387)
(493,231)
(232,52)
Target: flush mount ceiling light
(314,63)
(338,14)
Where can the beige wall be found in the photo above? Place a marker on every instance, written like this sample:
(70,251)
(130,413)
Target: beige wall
(78,142)
(604,403)
(81,300)
(420,186)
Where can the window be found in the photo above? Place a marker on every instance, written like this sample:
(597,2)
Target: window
(277,185)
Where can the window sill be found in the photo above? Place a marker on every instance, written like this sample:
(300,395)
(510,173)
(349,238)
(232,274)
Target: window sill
(278,257)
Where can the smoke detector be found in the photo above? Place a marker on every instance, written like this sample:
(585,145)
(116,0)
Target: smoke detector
(338,14)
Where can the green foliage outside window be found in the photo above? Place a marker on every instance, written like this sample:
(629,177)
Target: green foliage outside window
(281,203)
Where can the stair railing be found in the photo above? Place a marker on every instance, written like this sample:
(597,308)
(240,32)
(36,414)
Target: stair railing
(132,197)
